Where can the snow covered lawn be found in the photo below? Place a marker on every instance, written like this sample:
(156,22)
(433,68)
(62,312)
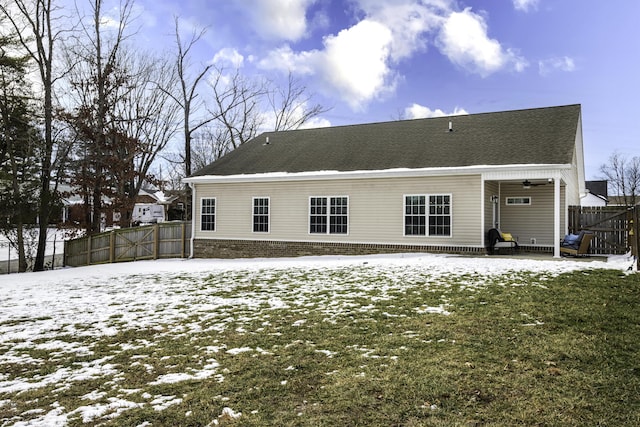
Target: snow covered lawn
(280,342)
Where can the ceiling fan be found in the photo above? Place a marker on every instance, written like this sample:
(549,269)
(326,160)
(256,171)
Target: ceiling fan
(526,184)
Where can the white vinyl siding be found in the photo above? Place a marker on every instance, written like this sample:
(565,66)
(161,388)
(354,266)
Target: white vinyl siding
(534,221)
(375,206)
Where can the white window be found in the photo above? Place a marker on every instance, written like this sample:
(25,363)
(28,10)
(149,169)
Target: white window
(415,215)
(427,215)
(329,215)
(208,214)
(260,214)
(518,200)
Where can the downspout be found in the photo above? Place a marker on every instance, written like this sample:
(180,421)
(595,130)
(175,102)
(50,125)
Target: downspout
(482,209)
(193,219)
(556,217)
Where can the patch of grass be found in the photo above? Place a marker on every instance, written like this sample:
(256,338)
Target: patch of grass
(20,321)
(516,349)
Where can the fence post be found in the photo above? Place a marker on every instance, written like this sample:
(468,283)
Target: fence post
(574,219)
(89,250)
(182,238)
(156,240)
(112,246)
(636,235)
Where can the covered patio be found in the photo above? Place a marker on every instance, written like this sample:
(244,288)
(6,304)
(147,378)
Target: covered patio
(530,205)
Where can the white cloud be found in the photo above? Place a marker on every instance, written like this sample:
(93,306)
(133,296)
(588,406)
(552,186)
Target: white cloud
(109,22)
(277,19)
(146,16)
(228,56)
(353,63)
(285,59)
(417,111)
(564,63)
(316,122)
(525,5)
(408,20)
(268,119)
(464,40)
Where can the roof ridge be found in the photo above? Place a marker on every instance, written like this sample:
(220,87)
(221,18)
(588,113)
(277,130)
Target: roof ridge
(266,133)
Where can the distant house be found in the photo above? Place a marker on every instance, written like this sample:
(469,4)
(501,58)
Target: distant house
(436,184)
(624,201)
(596,195)
(148,200)
(74,210)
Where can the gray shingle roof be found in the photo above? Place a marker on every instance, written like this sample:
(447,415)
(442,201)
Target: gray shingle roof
(532,136)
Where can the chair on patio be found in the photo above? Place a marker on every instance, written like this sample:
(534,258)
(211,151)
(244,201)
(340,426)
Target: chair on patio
(497,240)
(576,244)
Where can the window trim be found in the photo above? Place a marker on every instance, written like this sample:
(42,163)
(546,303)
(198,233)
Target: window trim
(511,200)
(427,215)
(328,216)
(404,215)
(449,215)
(215,213)
(253,214)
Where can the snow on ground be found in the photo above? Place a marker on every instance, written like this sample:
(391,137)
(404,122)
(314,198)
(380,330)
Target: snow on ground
(437,263)
(55,244)
(42,310)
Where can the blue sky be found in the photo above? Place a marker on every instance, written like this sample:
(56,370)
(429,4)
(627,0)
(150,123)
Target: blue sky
(374,60)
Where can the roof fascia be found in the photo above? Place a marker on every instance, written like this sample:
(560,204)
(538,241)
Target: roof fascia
(518,171)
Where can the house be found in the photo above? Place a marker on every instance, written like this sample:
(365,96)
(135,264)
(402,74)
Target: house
(624,200)
(596,194)
(74,210)
(436,184)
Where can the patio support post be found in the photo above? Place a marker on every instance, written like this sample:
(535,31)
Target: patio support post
(556,218)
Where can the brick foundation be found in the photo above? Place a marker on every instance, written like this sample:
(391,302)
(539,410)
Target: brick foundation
(212,248)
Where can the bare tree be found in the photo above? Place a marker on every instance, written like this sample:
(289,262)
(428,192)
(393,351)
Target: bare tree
(149,117)
(242,107)
(208,145)
(237,107)
(292,105)
(188,96)
(623,177)
(34,22)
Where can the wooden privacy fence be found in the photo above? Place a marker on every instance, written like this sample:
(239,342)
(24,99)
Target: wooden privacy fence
(614,227)
(162,240)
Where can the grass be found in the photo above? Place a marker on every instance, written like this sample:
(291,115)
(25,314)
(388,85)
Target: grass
(516,349)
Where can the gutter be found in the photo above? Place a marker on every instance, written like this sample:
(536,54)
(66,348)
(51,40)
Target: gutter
(368,174)
(193,221)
